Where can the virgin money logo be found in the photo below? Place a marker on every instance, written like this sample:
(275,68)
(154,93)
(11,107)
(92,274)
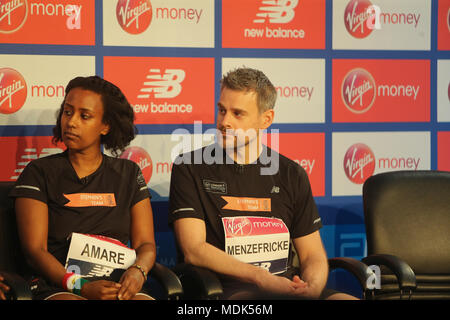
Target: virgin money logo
(448,19)
(356,17)
(359,163)
(358,90)
(238,226)
(134,16)
(139,156)
(13,90)
(281,11)
(13,15)
(163,84)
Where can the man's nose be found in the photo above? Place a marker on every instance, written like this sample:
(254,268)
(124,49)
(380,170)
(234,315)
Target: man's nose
(225,121)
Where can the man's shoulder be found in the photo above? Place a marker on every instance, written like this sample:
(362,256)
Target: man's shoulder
(286,165)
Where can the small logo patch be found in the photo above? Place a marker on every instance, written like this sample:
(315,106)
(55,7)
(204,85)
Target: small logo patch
(214,186)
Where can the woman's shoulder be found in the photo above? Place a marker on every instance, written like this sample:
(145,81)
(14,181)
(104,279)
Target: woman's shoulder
(120,164)
(49,161)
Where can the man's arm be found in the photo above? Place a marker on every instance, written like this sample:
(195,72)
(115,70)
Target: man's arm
(313,262)
(191,236)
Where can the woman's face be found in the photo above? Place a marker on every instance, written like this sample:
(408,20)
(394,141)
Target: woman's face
(81,120)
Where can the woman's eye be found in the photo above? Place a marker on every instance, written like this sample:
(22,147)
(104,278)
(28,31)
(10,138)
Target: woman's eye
(85,116)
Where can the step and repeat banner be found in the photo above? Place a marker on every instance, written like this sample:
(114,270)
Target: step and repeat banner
(363,86)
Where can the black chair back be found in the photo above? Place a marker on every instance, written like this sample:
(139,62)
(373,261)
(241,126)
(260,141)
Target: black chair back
(11,258)
(407,214)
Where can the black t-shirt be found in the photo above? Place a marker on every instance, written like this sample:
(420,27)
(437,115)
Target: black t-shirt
(203,191)
(97,204)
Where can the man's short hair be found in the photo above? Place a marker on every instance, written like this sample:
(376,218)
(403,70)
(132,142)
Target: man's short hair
(248,79)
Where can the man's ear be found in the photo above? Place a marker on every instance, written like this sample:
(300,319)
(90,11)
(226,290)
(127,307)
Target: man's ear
(267,118)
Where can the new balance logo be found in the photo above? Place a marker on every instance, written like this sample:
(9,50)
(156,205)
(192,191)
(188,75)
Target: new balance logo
(275,189)
(165,84)
(276,11)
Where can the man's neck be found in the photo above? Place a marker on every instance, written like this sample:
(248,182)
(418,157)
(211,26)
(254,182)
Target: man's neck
(246,154)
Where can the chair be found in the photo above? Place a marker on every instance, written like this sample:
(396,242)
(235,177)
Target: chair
(12,262)
(407,218)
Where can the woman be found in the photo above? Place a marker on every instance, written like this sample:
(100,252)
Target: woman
(82,190)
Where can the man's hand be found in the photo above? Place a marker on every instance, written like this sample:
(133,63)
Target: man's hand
(100,290)
(280,285)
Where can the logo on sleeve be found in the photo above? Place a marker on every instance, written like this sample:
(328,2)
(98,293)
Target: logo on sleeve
(141,157)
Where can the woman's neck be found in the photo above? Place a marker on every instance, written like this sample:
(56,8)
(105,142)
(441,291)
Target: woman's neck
(85,163)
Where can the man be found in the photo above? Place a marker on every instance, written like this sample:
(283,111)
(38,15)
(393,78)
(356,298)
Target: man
(236,219)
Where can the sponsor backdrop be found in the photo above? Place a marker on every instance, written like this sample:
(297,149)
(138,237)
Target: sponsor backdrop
(363,87)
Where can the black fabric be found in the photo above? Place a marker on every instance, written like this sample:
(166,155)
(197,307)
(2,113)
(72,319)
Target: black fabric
(53,181)
(197,191)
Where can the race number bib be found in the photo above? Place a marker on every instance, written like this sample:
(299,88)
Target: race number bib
(92,255)
(260,241)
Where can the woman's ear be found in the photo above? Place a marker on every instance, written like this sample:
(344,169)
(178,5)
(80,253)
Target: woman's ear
(105,130)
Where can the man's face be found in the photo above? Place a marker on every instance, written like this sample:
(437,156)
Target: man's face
(239,119)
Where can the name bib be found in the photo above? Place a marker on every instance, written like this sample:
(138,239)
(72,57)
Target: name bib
(93,255)
(260,241)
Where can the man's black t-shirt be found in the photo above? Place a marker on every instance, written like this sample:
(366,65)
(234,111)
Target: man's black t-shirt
(210,192)
(96,204)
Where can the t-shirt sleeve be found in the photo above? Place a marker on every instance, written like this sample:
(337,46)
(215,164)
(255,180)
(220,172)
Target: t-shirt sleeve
(184,200)
(306,218)
(31,184)
(140,189)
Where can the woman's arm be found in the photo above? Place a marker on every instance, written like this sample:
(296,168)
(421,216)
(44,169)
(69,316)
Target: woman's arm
(32,224)
(143,241)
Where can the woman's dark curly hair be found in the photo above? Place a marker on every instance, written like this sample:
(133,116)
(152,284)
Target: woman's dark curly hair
(117,113)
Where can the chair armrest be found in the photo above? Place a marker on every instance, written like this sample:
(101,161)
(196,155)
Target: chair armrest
(359,269)
(19,288)
(405,275)
(168,280)
(198,282)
